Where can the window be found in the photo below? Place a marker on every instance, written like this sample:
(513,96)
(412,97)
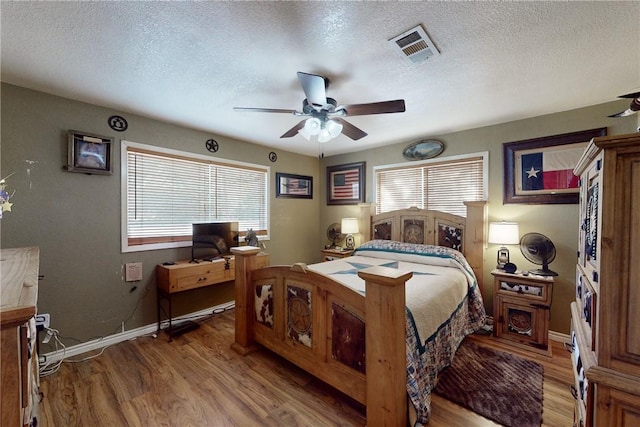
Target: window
(165,191)
(441,185)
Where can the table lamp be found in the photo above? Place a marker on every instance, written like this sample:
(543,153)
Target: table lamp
(350,227)
(503,233)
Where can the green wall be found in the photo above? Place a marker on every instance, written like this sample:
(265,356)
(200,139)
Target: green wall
(75,218)
(558,222)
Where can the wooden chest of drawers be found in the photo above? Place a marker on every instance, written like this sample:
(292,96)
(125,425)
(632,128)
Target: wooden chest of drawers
(606,312)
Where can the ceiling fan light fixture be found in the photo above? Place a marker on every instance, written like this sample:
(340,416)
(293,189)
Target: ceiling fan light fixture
(305,133)
(313,125)
(333,127)
(324,136)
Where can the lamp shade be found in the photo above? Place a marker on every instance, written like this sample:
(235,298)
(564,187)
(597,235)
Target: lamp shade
(504,233)
(350,226)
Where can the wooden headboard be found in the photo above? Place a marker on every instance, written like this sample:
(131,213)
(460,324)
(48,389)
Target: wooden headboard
(429,227)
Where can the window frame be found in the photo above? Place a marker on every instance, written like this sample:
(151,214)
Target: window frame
(177,242)
(419,164)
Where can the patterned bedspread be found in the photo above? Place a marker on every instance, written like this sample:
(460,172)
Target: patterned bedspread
(444,305)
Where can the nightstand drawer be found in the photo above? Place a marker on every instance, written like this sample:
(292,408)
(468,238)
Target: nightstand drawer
(532,291)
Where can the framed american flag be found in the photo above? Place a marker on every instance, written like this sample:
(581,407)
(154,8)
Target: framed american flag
(345,184)
(294,186)
(540,170)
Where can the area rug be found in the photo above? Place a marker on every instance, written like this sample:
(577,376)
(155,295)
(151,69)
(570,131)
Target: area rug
(505,388)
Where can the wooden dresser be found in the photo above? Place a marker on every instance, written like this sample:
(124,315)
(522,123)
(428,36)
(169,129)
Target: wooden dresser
(19,366)
(605,316)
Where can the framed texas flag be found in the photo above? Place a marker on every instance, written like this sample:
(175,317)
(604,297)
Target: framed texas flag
(540,170)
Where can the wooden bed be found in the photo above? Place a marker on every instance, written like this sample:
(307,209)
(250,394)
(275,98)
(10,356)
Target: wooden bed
(332,311)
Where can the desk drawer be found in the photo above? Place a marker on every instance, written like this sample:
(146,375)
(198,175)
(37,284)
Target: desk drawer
(184,275)
(210,278)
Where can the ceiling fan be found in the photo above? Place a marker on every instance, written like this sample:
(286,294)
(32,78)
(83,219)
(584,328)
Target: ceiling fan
(325,118)
(634,107)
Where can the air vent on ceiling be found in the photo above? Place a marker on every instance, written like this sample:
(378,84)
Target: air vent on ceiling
(414,45)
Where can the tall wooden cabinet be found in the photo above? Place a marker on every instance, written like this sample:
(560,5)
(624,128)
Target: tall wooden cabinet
(19,362)
(606,312)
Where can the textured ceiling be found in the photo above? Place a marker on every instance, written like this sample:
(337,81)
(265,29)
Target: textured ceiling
(190,63)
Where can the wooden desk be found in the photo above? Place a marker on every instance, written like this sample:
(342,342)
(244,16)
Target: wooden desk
(186,275)
(19,363)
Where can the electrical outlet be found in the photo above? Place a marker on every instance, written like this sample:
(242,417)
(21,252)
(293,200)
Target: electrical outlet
(133,272)
(43,321)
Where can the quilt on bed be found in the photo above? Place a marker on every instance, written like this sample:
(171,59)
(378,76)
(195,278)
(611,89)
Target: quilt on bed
(444,305)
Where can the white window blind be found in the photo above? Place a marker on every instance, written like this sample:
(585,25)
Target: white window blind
(167,193)
(442,185)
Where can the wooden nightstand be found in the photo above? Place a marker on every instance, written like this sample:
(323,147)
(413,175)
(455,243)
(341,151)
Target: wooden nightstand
(331,254)
(521,306)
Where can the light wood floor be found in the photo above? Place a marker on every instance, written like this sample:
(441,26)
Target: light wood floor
(197,380)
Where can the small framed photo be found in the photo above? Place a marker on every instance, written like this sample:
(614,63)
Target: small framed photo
(540,170)
(90,154)
(345,184)
(294,186)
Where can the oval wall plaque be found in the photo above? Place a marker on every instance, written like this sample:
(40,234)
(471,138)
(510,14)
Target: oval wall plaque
(424,149)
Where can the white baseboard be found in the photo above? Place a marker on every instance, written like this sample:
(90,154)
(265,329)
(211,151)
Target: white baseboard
(100,343)
(88,346)
(560,337)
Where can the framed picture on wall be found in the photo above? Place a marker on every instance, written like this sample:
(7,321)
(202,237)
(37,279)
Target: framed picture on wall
(540,170)
(294,186)
(89,154)
(345,184)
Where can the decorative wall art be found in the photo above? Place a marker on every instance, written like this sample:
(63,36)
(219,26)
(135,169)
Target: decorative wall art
(345,184)
(424,149)
(90,154)
(294,186)
(118,123)
(212,145)
(5,195)
(540,170)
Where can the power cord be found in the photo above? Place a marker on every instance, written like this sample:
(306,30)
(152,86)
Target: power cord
(49,368)
(46,367)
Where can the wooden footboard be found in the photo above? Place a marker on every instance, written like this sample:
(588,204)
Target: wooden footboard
(308,318)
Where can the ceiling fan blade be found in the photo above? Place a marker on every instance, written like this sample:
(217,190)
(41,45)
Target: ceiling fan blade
(314,88)
(396,106)
(631,95)
(264,110)
(350,130)
(294,130)
(634,107)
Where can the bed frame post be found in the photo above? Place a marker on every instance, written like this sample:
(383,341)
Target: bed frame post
(385,334)
(474,238)
(245,262)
